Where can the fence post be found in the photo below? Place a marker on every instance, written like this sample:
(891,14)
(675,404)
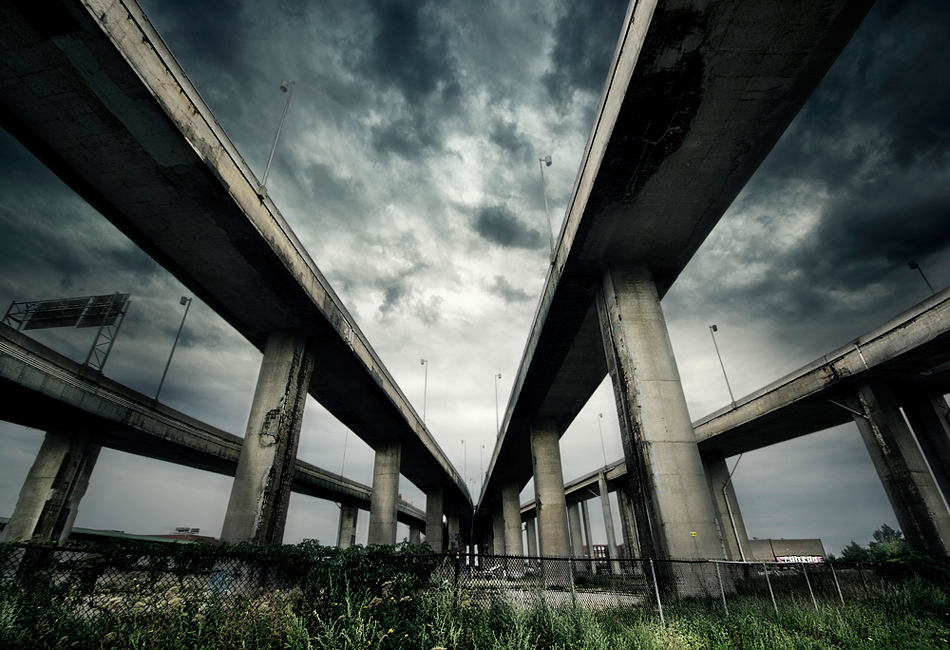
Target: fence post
(656,589)
(722,589)
(769,581)
(838,586)
(810,591)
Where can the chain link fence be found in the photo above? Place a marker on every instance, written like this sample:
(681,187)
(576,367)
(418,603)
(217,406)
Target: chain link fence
(95,588)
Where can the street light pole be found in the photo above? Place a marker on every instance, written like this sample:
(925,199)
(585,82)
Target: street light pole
(464,462)
(187,303)
(541,163)
(287,87)
(425,386)
(915,265)
(712,332)
(497,421)
(600,416)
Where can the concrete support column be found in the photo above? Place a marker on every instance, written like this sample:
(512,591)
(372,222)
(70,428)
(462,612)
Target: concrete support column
(511,509)
(454,528)
(498,529)
(628,524)
(608,523)
(385,495)
(415,534)
(916,500)
(554,540)
(585,519)
(726,507)
(346,535)
(54,486)
(260,494)
(674,516)
(434,514)
(929,417)
(577,537)
(532,534)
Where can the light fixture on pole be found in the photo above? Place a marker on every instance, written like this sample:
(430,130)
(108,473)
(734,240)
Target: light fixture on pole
(542,162)
(287,87)
(497,421)
(915,265)
(187,303)
(600,416)
(712,332)
(425,386)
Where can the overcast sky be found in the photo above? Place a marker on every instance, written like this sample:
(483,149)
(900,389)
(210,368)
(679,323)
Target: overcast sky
(408,167)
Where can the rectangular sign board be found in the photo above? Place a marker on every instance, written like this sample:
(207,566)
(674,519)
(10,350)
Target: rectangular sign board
(89,311)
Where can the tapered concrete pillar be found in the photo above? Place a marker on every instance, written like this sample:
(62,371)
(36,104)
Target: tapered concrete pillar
(588,542)
(674,516)
(532,534)
(928,414)
(260,494)
(913,494)
(415,534)
(434,515)
(499,545)
(608,523)
(553,536)
(577,535)
(346,535)
(511,510)
(383,500)
(726,508)
(628,524)
(54,486)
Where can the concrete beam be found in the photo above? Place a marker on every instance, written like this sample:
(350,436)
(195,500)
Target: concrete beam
(260,494)
(916,500)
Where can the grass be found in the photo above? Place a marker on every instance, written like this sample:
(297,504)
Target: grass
(913,615)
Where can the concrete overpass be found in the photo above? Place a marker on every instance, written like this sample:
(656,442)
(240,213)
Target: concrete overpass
(697,95)
(904,364)
(91,89)
(47,391)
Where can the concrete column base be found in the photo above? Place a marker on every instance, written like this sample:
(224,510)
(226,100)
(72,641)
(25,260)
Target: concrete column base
(553,535)
(726,507)
(913,494)
(54,486)
(385,495)
(260,494)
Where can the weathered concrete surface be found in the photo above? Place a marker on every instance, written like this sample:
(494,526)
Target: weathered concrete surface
(346,534)
(91,89)
(435,511)
(910,488)
(511,510)
(49,500)
(697,95)
(929,416)
(732,532)
(260,494)
(553,535)
(44,390)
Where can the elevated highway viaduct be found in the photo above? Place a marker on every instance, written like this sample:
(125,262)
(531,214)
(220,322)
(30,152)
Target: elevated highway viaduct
(91,89)
(697,95)
(82,411)
(891,382)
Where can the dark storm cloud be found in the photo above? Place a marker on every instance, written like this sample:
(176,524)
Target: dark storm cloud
(507,136)
(499,226)
(585,40)
(510,294)
(410,52)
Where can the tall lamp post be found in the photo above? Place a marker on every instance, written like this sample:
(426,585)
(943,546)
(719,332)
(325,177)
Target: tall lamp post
(286,87)
(464,462)
(497,421)
(187,303)
(425,386)
(712,332)
(916,266)
(542,162)
(600,416)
